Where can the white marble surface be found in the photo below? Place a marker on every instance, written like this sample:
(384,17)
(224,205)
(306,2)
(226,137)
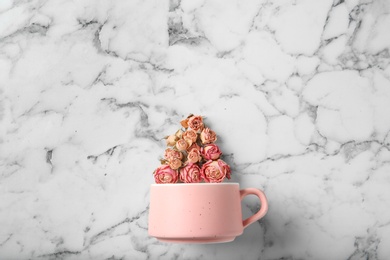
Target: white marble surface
(298,92)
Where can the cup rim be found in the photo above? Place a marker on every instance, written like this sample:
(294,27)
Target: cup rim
(193,184)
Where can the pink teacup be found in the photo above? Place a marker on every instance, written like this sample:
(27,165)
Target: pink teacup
(200,212)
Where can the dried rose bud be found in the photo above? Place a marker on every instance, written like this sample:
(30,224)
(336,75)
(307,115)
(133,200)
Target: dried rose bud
(191,173)
(211,152)
(208,136)
(171,153)
(175,163)
(195,123)
(164,174)
(215,171)
(182,145)
(194,146)
(190,136)
(171,140)
(179,133)
(184,123)
(194,156)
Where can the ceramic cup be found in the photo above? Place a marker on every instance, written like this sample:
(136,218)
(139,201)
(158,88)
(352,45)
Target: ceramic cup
(200,212)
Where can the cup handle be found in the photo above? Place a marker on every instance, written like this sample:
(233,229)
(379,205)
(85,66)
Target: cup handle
(264,205)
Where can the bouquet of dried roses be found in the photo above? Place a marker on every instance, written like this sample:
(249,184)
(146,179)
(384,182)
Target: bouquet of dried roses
(192,156)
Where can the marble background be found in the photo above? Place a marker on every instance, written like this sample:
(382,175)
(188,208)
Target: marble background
(298,92)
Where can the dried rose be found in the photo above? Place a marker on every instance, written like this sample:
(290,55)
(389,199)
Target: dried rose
(164,174)
(190,136)
(171,140)
(194,146)
(215,171)
(208,136)
(194,156)
(179,133)
(195,123)
(175,163)
(225,167)
(190,173)
(184,123)
(211,152)
(171,153)
(182,145)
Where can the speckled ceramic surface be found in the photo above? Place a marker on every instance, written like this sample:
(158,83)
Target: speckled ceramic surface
(200,212)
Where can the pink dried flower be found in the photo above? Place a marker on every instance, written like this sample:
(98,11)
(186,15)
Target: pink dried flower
(190,136)
(175,163)
(194,156)
(208,136)
(165,174)
(215,171)
(211,152)
(195,123)
(194,146)
(190,173)
(182,145)
(171,153)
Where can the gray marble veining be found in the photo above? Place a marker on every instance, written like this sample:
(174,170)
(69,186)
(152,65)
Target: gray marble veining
(297,91)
